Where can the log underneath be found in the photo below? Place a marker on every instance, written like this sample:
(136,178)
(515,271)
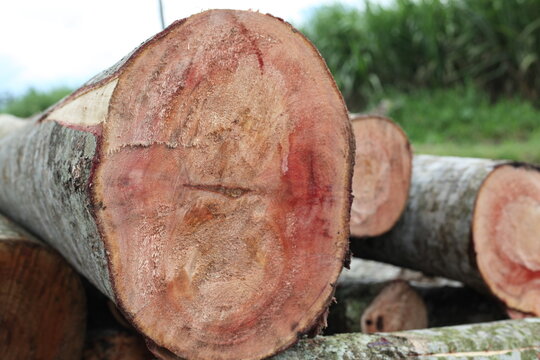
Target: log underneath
(42,301)
(473,220)
(202,183)
(396,307)
(514,339)
(382,175)
(445,305)
(115,345)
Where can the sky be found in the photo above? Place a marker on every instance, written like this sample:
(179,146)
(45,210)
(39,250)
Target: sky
(51,43)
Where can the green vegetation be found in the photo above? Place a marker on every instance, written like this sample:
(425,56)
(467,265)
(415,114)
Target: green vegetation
(412,44)
(461,121)
(33,101)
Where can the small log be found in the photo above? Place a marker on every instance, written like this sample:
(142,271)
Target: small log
(498,340)
(472,220)
(42,300)
(115,345)
(382,175)
(397,307)
(202,183)
(445,306)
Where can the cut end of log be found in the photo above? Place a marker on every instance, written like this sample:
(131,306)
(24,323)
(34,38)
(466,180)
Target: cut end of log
(223,185)
(506,235)
(382,175)
(42,303)
(397,307)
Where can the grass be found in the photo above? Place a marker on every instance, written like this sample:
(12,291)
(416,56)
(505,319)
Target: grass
(462,121)
(528,150)
(463,115)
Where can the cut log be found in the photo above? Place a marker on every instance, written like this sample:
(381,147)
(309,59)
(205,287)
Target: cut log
(115,345)
(511,339)
(382,175)
(454,200)
(203,184)
(397,307)
(42,300)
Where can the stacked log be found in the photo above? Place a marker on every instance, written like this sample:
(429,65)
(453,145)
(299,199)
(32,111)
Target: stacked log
(382,175)
(42,300)
(202,184)
(472,220)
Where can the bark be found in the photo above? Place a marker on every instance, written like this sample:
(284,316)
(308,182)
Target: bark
(202,184)
(382,175)
(445,306)
(497,340)
(471,220)
(115,345)
(42,300)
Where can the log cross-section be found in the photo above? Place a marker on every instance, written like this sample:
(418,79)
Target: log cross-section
(203,183)
(382,175)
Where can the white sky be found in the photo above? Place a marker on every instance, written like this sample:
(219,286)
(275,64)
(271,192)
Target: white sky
(47,43)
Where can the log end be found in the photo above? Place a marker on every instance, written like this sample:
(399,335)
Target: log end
(42,304)
(223,184)
(382,175)
(397,307)
(506,228)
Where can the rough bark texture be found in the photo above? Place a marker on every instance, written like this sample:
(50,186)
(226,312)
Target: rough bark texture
(436,235)
(42,300)
(512,339)
(203,184)
(382,175)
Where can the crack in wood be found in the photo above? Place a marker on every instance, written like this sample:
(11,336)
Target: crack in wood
(231,192)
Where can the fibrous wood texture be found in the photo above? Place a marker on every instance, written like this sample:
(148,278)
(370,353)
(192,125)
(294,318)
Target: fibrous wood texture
(42,301)
(382,175)
(472,220)
(512,339)
(202,183)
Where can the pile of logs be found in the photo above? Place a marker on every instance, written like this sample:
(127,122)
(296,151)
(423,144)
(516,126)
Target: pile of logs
(202,188)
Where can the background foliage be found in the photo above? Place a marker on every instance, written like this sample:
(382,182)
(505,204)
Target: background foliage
(494,44)
(33,101)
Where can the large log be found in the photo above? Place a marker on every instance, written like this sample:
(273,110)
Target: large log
(473,220)
(202,183)
(42,300)
(511,339)
(382,175)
